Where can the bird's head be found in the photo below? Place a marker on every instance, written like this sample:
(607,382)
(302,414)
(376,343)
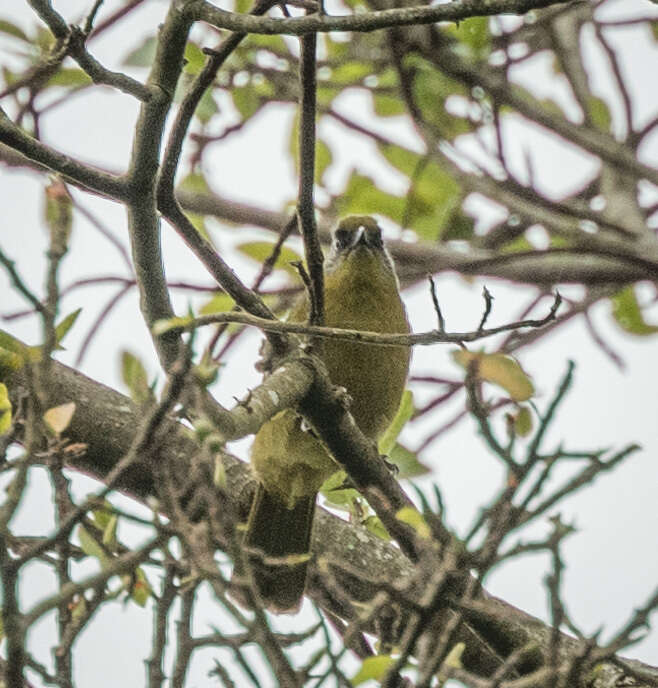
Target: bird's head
(357,241)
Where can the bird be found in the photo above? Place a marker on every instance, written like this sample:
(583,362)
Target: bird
(361,291)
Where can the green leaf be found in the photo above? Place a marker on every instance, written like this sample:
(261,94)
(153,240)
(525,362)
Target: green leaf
(458,226)
(110,532)
(11,29)
(58,215)
(362,196)
(5,410)
(90,545)
(141,589)
(246,100)
(407,463)
(376,527)
(72,77)
(65,325)
(628,314)
(404,412)
(260,251)
(207,107)
(196,183)
(194,59)
(334,482)
(412,517)
(219,303)
(323,159)
(135,378)
(13,353)
(454,657)
(165,325)
(242,6)
(143,55)
(600,113)
(434,194)
(387,106)
(342,499)
(432,89)
(550,106)
(474,33)
(323,156)
(102,515)
(274,44)
(350,72)
(373,669)
(498,369)
(654,29)
(78,608)
(523,422)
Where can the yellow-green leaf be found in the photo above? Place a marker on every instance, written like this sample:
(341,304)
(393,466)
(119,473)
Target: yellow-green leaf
(600,113)
(58,418)
(246,100)
(65,325)
(373,669)
(102,515)
(454,657)
(90,545)
(141,589)
(405,411)
(412,517)
(219,303)
(498,369)
(5,409)
(323,156)
(523,422)
(167,325)
(350,72)
(143,55)
(78,608)
(376,527)
(135,378)
(219,474)
(474,32)
(11,29)
(13,353)
(407,463)
(362,196)
(628,314)
(110,532)
(70,76)
(260,251)
(194,59)
(385,105)
(196,183)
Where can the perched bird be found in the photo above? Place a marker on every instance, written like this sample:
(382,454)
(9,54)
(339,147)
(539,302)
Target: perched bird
(361,292)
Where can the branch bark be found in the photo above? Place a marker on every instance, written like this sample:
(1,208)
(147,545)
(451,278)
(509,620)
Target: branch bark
(106,421)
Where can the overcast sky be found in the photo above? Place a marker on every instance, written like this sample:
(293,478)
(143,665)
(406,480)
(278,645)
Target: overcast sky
(612,559)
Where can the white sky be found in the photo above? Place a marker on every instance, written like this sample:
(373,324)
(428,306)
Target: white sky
(612,561)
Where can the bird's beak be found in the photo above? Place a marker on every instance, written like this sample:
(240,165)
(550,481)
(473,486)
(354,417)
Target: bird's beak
(360,237)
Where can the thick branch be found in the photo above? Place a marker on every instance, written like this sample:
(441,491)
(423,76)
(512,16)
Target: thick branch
(106,421)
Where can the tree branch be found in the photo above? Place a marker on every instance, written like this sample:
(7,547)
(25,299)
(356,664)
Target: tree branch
(199,10)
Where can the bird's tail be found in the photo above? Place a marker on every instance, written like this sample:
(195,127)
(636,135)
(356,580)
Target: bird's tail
(278,541)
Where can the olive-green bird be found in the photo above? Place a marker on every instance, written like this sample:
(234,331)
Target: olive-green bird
(361,292)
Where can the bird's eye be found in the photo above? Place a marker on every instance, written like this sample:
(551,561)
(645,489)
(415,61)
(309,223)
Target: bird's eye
(375,236)
(342,237)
